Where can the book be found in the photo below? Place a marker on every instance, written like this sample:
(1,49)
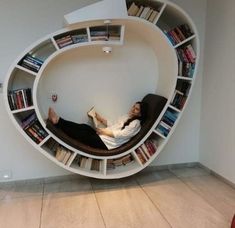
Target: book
(92,114)
(66,157)
(144,12)
(153,16)
(133,9)
(139,11)
(60,153)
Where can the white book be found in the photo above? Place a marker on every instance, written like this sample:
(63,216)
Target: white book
(148,14)
(153,16)
(70,160)
(144,12)
(143,154)
(145,149)
(132,11)
(66,157)
(140,11)
(165,125)
(88,163)
(60,153)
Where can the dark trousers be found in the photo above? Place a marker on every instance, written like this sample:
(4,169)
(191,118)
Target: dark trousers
(81,132)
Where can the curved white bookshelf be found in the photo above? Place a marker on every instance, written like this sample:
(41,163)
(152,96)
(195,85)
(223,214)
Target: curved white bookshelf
(173,38)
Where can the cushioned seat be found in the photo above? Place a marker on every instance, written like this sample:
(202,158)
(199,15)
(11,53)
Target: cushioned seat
(155,105)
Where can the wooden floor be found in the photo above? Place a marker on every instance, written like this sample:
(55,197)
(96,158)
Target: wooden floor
(185,197)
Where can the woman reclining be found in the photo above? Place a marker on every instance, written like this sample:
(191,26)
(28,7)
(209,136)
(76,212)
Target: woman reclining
(109,137)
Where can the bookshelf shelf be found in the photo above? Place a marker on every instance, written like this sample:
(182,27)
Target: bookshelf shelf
(164,22)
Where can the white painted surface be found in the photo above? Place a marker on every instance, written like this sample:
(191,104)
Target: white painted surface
(100,10)
(217,135)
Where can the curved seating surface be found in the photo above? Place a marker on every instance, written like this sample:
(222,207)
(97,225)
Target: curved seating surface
(155,104)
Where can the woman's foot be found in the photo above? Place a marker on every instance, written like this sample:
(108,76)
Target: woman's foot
(52,116)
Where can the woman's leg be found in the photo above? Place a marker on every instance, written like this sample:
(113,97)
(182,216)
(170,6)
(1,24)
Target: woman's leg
(82,132)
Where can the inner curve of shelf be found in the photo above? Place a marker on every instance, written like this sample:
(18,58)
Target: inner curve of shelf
(137,67)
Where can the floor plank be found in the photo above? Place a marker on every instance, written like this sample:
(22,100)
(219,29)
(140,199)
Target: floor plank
(218,194)
(20,212)
(70,204)
(181,206)
(124,204)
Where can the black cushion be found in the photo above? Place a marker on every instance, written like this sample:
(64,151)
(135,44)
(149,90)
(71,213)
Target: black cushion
(155,104)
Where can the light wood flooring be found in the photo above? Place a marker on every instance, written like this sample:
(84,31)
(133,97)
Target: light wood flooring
(182,198)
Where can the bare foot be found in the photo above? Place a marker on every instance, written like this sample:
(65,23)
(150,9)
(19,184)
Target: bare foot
(52,116)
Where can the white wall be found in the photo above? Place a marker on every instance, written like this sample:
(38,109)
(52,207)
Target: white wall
(217,141)
(24,22)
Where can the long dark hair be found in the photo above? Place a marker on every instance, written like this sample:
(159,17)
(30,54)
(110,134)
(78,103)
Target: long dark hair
(141,118)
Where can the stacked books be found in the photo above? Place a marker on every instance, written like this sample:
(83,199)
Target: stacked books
(186,60)
(64,155)
(102,33)
(167,122)
(20,98)
(32,63)
(33,128)
(178,34)
(146,150)
(145,12)
(71,39)
(99,36)
(64,41)
(113,163)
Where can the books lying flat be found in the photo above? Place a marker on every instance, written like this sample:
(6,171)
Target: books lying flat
(32,63)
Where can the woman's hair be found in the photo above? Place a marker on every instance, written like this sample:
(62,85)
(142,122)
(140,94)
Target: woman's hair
(141,118)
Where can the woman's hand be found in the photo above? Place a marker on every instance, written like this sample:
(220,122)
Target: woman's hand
(104,131)
(101,119)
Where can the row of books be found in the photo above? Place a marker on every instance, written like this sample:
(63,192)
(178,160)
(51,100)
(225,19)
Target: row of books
(61,153)
(178,33)
(104,35)
(178,99)
(71,39)
(113,163)
(186,54)
(186,61)
(64,155)
(186,69)
(89,163)
(31,62)
(33,128)
(167,122)
(146,150)
(145,12)
(183,86)
(20,98)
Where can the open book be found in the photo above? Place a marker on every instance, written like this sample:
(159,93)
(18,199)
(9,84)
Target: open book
(92,114)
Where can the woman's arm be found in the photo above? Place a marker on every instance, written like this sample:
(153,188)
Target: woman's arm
(105,131)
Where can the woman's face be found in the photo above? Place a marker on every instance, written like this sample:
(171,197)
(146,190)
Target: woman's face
(135,110)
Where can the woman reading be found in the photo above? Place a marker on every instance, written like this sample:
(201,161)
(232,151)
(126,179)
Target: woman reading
(111,136)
